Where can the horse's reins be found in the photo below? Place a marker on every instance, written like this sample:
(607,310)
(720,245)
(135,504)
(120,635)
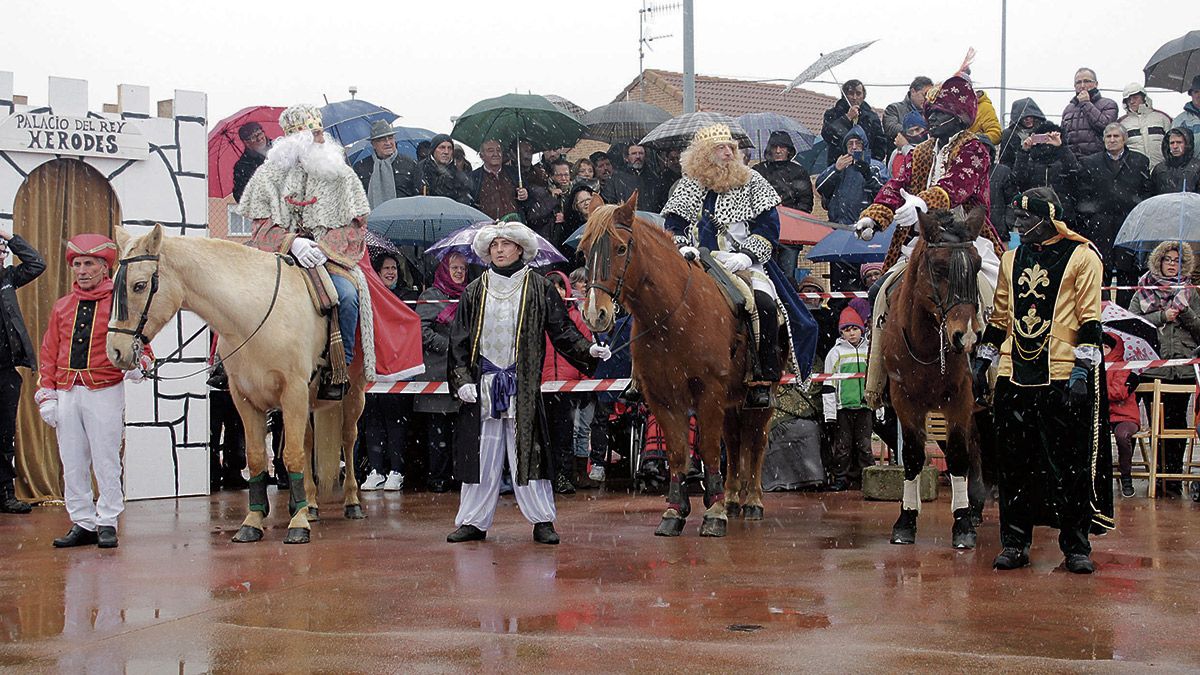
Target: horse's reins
(139,339)
(602,260)
(960,291)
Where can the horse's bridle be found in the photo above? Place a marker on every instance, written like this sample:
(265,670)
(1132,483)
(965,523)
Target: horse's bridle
(139,339)
(959,291)
(122,302)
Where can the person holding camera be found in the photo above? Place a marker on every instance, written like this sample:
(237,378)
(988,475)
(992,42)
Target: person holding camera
(1045,161)
(849,184)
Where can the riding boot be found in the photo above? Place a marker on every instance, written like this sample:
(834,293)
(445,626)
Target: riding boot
(764,357)
(329,391)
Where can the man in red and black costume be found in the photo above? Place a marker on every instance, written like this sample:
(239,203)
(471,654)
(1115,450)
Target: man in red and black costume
(947,171)
(82,394)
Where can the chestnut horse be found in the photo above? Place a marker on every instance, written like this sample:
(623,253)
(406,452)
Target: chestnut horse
(278,337)
(689,357)
(927,338)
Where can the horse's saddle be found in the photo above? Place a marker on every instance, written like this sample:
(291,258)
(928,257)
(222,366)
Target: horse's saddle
(736,288)
(321,290)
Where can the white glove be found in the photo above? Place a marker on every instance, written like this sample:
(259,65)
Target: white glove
(47,402)
(467,394)
(307,252)
(907,213)
(689,252)
(865,228)
(602,352)
(734,262)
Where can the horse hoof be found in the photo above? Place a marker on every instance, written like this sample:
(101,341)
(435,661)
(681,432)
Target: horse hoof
(905,529)
(733,509)
(976,515)
(713,527)
(353,512)
(752,512)
(670,527)
(296,535)
(314,515)
(247,534)
(962,535)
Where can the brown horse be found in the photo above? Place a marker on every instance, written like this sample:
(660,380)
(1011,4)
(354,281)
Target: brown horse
(927,337)
(278,338)
(689,357)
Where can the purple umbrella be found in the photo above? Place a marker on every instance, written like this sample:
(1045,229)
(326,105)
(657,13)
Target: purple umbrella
(460,242)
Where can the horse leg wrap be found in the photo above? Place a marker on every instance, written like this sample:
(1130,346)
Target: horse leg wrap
(258,494)
(912,494)
(677,495)
(958,493)
(714,489)
(297,498)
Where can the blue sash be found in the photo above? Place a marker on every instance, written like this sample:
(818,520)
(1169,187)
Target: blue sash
(504,385)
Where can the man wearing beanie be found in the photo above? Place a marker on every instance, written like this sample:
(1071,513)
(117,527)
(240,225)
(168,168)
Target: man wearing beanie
(439,176)
(1050,406)
(914,132)
(789,179)
(495,360)
(845,408)
(82,394)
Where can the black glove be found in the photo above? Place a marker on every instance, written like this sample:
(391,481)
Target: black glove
(1132,382)
(1077,386)
(979,378)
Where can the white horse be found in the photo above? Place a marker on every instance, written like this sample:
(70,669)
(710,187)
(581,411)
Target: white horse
(271,341)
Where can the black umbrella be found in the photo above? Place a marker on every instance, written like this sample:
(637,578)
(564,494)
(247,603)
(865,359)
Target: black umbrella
(1175,64)
(623,121)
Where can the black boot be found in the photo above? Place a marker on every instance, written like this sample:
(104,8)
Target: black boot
(76,536)
(1011,558)
(331,392)
(764,359)
(1079,563)
(543,533)
(10,504)
(466,533)
(758,396)
(106,536)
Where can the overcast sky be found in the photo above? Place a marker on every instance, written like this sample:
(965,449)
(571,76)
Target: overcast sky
(428,61)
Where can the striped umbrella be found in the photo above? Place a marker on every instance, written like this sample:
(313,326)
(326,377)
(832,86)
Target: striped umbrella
(677,132)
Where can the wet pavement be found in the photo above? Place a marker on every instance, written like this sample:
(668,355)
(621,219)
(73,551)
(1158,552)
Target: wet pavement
(814,586)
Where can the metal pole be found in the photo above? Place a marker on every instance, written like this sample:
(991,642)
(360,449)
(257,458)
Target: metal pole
(642,51)
(689,63)
(1003,61)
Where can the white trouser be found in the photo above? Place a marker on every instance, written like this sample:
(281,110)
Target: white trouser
(91,426)
(477,501)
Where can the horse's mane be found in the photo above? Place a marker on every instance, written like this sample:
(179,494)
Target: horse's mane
(603,221)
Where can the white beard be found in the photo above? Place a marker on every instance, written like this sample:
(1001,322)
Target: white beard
(324,160)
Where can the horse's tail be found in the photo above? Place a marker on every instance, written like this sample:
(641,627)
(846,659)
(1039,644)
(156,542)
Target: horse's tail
(327,451)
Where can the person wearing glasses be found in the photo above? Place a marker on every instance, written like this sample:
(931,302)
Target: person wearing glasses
(1087,114)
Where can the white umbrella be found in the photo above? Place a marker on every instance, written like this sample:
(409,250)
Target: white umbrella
(827,62)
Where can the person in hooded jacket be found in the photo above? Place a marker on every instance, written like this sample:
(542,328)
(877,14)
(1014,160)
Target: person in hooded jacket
(1025,115)
(439,176)
(1084,118)
(1047,164)
(914,132)
(789,179)
(1176,314)
(851,110)
(848,185)
(1145,125)
(1190,117)
(1180,168)
(1123,414)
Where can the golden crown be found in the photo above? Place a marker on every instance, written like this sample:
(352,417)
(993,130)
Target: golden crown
(716,133)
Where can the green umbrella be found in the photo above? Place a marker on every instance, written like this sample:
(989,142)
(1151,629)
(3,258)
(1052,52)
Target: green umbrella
(511,117)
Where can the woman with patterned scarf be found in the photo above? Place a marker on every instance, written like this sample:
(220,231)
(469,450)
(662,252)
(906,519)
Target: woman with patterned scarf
(449,280)
(1176,313)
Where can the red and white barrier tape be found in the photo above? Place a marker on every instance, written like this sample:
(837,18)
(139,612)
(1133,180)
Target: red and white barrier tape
(619,384)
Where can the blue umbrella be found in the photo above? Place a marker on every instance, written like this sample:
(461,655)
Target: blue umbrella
(421,220)
(349,121)
(760,126)
(843,246)
(577,235)
(407,140)
(813,159)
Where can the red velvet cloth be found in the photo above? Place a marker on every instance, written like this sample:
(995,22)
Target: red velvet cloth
(397,329)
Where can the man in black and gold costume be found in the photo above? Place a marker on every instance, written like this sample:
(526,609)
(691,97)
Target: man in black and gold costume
(1050,406)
